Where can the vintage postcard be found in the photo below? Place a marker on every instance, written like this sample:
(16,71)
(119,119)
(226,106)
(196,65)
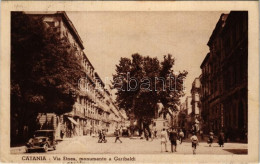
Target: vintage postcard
(139,82)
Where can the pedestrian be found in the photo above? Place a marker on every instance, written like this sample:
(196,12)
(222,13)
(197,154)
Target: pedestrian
(194,142)
(155,133)
(164,137)
(211,137)
(146,134)
(62,133)
(221,139)
(152,134)
(99,137)
(181,136)
(173,138)
(201,135)
(184,132)
(117,136)
(193,129)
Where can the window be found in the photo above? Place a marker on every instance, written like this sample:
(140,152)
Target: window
(50,24)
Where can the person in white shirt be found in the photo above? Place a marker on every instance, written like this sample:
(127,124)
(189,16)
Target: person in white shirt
(194,142)
(181,136)
(164,137)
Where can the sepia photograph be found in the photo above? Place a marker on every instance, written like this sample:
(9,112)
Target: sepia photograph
(154,96)
(129,83)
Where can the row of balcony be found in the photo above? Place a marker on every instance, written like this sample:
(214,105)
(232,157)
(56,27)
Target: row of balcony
(91,116)
(102,106)
(81,112)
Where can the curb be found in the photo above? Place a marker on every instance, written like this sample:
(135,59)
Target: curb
(17,149)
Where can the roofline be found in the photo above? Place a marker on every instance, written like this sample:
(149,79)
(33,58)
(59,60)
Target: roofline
(204,61)
(102,83)
(66,20)
(217,28)
(70,25)
(88,60)
(231,16)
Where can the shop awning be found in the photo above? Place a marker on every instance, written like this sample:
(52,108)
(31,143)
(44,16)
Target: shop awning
(73,121)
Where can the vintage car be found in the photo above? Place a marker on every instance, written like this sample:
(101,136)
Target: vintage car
(42,140)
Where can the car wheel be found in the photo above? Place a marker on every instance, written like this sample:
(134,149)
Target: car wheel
(27,150)
(45,147)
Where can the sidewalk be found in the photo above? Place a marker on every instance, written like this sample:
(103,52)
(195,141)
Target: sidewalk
(16,150)
(21,149)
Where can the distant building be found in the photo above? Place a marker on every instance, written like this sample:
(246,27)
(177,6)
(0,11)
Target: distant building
(195,102)
(185,114)
(182,116)
(188,106)
(224,77)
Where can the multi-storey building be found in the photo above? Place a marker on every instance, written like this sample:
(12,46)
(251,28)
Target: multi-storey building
(195,101)
(94,109)
(185,114)
(188,106)
(182,116)
(224,77)
(188,109)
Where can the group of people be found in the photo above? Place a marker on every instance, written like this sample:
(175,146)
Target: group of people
(150,134)
(172,135)
(221,139)
(102,136)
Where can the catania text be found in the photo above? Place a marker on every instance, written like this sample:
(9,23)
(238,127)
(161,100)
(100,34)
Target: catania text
(34,158)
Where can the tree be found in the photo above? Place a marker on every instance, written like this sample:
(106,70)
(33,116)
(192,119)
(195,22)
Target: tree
(44,70)
(142,82)
(182,119)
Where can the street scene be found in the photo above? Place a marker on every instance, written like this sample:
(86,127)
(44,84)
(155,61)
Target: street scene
(129,82)
(89,145)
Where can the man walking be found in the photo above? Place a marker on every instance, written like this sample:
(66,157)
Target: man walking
(117,136)
(194,142)
(155,133)
(164,137)
(221,139)
(146,134)
(173,139)
(211,138)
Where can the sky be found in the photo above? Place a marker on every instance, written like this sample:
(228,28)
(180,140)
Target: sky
(107,36)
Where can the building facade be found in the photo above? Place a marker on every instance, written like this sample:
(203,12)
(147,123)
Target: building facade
(195,102)
(182,116)
(94,109)
(185,115)
(224,78)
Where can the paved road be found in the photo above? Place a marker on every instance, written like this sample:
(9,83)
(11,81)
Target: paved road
(89,145)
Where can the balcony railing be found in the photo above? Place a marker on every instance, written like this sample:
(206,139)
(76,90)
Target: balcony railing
(78,113)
